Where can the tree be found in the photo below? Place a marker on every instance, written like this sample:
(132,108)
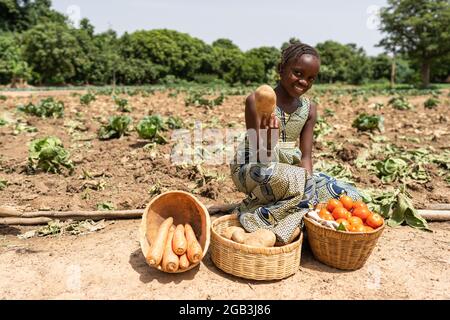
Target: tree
(21,15)
(346,63)
(418,28)
(52,50)
(269,56)
(13,68)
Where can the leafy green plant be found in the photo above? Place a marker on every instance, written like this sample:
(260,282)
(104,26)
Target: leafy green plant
(3,184)
(431,103)
(117,127)
(365,122)
(49,155)
(105,206)
(196,99)
(20,127)
(3,122)
(149,128)
(122,104)
(400,103)
(321,129)
(174,122)
(3,97)
(87,98)
(46,108)
(396,207)
(398,169)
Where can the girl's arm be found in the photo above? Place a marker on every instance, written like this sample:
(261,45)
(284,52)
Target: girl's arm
(255,122)
(306,139)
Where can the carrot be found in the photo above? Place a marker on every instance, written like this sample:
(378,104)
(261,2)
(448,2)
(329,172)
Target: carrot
(194,250)
(184,262)
(157,247)
(179,243)
(170,261)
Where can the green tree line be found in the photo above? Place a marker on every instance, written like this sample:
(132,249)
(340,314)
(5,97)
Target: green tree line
(40,46)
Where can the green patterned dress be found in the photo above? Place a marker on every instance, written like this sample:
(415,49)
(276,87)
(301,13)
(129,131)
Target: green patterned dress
(280,193)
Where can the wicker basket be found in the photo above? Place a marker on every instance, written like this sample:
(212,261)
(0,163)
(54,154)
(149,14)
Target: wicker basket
(341,250)
(184,208)
(251,262)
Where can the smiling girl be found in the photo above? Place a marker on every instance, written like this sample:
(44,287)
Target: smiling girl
(282,187)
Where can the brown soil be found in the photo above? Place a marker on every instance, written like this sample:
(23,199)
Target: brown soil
(108,264)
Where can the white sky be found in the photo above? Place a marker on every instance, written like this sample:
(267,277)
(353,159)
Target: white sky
(248,23)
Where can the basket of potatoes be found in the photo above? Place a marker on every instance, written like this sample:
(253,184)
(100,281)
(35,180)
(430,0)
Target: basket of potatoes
(255,255)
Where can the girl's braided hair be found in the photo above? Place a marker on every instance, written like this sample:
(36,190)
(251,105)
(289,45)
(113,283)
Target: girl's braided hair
(296,50)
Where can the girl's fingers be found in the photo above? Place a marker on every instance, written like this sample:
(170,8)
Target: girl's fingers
(264,122)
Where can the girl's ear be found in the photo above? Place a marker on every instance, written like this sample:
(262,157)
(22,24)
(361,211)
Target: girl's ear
(279,68)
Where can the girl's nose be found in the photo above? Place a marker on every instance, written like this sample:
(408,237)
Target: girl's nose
(303,82)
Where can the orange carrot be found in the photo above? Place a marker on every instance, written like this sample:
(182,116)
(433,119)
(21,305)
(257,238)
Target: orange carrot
(157,247)
(194,250)
(184,262)
(170,261)
(179,243)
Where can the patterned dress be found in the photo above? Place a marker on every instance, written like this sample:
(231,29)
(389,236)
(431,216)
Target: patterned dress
(280,193)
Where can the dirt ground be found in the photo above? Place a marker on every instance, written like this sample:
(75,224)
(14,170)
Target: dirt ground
(108,264)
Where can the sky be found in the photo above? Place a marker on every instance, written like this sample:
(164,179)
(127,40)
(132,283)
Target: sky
(248,23)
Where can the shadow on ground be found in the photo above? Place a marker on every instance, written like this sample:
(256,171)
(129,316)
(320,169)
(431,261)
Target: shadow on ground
(148,274)
(8,230)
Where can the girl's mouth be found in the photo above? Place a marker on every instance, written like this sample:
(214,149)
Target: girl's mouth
(299,89)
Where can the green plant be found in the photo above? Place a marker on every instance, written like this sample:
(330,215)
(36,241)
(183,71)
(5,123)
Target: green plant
(122,104)
(365,122)
(117,127)
(396,207)
(197,99)
(3,122)
(3,97)
(400,103)
(20,127)
(87,98)
(45,108)
(149,128)
(321,129)
(431,103)
(3,184)
(49,155)
(105,206)
(174,122)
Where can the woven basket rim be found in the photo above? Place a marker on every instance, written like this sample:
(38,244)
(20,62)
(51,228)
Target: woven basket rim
(250,249)
(142,230)
(346,234)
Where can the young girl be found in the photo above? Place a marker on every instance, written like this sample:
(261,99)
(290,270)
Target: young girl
(281,191)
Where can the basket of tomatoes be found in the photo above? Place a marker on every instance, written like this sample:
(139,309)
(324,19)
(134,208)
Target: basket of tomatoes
(350,242)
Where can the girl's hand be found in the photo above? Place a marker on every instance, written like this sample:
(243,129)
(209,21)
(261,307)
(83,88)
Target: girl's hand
(269,121)
(269,138)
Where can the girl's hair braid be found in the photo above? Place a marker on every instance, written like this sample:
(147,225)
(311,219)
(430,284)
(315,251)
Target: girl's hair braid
(296,50)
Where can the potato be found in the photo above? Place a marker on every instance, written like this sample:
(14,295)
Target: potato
(239,236)
(228,232)
(261,238)
(265,99)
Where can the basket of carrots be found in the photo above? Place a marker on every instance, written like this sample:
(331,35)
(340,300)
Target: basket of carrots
(175,232)
(343,233)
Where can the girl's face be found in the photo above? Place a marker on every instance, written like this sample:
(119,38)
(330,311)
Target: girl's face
(298,75)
